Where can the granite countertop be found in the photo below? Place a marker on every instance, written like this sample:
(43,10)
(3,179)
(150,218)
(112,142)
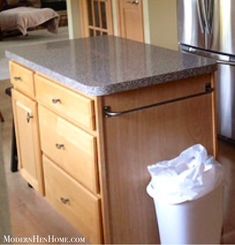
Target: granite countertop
(104,65)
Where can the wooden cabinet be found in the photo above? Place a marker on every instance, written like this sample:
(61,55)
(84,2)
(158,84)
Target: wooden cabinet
(65,122)
(150,135)
(69,150)
(26,126)
(95,162)
(182,115)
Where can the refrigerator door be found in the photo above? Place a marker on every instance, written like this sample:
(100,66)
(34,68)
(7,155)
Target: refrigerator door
(191,25)
(227,27)
(226,100)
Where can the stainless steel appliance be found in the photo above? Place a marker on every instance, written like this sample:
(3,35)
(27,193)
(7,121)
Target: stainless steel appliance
(207,28)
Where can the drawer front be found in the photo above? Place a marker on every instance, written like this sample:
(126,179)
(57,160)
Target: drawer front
(73,106)
(70,147)
(22,79)
(73,201)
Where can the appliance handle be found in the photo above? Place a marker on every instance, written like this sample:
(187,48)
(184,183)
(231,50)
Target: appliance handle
(200,16)
(210,15)
(220,57)
(204,7)
(221,62)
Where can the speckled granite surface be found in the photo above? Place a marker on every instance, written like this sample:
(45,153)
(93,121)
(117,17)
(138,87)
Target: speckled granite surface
(105,65)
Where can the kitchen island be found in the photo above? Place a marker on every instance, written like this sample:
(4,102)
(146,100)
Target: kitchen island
(91,114)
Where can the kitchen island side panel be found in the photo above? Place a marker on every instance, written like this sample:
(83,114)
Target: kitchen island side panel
(138,139)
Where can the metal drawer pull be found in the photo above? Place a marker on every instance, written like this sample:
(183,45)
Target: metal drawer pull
(56,101)
(29,116)
(109,113)
(60,146)
(64,200)
(134,2)
(18,79)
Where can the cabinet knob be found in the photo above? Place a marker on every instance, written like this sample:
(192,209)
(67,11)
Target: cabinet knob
(28,117)
(60,146)
(56,101)
(17,79)
(64,200)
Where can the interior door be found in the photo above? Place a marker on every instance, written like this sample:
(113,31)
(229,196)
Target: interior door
(131,19)
(98,17)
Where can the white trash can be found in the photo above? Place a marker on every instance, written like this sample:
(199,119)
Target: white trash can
(190,213)
(192,222)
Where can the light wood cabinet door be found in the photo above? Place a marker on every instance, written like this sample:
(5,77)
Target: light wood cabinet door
(27,135)
(131,19)
(138,139)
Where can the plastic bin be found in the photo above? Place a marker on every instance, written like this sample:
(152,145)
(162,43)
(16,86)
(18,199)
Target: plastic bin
(188,197)
(192,222)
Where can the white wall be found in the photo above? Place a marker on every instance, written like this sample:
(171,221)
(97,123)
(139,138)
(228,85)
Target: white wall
(116,27)
(74,18)
(163,23)
(160,22)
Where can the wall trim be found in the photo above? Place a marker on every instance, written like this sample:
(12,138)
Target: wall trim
(146,21)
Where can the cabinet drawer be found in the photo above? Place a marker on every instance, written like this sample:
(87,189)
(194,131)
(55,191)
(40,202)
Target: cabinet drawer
(22,79)
(73,106)
(70,147)
(80,207)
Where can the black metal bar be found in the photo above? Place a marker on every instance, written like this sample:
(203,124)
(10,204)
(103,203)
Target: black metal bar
(109,113)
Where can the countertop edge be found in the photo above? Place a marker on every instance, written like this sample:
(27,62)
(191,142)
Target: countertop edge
(112,88)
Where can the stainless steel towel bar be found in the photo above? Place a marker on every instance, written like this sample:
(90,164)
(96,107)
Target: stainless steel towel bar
(109,113)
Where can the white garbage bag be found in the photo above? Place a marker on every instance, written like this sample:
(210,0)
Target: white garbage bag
(187,177)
